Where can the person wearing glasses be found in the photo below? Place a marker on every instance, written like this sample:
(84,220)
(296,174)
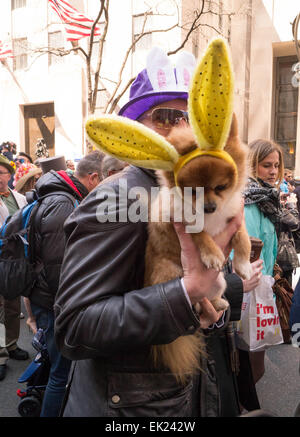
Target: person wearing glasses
(10,202)
(105,319)
(23,158)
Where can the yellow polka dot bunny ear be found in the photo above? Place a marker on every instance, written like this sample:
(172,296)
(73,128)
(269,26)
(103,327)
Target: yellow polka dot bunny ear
(131,142)
(210,105)
(210,101)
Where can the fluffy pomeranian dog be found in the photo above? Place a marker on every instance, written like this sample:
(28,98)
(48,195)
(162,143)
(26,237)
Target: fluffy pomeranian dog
(208,154)
(222,201)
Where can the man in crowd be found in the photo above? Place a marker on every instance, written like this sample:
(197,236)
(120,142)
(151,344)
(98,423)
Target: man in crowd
(107,320)
(68,191)
(10,202)
(111,166)
(70,166)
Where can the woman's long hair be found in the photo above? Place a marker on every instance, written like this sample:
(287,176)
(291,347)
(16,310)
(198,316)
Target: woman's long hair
(258,151)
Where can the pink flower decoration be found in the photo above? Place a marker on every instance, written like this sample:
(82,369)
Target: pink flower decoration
(22,171)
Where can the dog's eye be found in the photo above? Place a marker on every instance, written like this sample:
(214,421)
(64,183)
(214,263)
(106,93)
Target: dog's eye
(220,187)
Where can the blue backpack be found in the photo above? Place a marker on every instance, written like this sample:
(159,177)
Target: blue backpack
(18,266)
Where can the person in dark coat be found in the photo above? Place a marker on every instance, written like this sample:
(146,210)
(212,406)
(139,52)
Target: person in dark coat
(49,245)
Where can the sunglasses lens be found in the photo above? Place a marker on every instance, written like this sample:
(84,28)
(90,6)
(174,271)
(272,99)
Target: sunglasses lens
(167,117)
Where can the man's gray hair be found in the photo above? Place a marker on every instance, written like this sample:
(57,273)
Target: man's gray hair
(90,163)
(110,164)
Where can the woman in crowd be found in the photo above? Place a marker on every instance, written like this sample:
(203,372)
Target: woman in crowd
(264,215)
(25,179)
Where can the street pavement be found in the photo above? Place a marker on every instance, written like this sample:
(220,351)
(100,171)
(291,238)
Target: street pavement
(278,390)
(8,387)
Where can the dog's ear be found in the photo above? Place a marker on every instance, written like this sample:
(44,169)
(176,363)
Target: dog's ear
(132,142)
(234,132)
(210,103)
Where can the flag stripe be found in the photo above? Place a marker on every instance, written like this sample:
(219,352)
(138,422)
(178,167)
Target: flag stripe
(68,16)
(75,22)
(5,50)
(79,26)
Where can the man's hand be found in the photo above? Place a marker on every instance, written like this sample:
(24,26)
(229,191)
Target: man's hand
(253,282)
(208,314)
(199,280)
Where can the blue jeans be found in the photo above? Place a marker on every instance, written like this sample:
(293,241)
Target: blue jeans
(60,366)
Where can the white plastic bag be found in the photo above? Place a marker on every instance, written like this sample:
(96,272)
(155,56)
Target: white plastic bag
(259,326)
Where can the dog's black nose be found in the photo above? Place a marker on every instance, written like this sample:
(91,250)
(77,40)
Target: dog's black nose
(210,207)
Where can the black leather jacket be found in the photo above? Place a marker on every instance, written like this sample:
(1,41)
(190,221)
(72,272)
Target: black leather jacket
(49,239)
(107,321)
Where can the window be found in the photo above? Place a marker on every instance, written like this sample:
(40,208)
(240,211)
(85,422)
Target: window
(55,41)
(145,43)
(15,4)
(101,99)
(20,53)
(286,105)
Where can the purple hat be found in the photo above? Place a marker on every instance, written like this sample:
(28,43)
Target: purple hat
(159,82)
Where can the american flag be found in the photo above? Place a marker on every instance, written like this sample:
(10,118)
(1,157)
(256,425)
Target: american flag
(5,51)
(76,24)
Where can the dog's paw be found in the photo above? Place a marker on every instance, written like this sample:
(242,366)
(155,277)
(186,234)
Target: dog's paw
(220,304)
(213,260)
(243,269)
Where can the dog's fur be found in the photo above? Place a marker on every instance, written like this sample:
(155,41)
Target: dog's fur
(163,253)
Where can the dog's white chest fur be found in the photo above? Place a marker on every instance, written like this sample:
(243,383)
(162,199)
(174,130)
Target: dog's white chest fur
(169,202)
(215,223)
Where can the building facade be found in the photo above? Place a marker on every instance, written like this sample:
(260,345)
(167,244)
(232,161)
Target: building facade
(45,95)
(263,54)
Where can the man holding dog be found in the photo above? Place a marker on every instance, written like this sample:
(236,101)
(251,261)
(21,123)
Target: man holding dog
(106,321)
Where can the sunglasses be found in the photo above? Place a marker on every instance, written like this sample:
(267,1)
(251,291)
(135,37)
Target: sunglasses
(166,118)
(21,160)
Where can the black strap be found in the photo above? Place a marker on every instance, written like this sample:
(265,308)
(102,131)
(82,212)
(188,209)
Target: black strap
(56,193)
(67,392)
(31,239)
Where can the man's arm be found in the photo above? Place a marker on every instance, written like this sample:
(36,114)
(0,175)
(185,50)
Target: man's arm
(101,307)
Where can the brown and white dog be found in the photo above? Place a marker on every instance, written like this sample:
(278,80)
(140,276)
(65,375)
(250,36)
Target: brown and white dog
(222,201)
(207,154)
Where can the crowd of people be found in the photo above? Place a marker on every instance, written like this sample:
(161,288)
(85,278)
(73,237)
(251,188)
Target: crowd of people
(99,319)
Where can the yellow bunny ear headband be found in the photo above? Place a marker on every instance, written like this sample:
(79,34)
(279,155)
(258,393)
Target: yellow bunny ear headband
(210,107)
